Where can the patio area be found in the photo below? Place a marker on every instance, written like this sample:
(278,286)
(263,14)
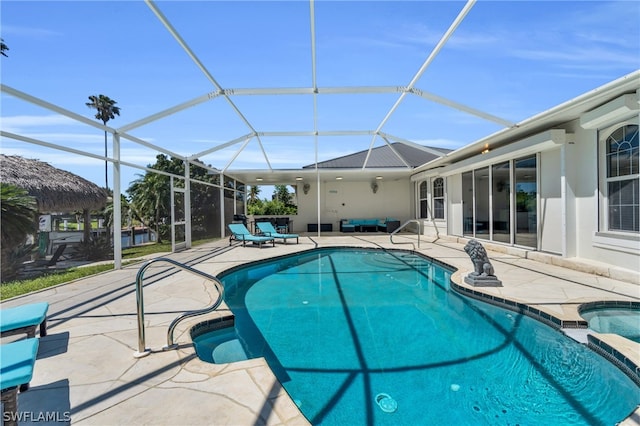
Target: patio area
(86,373)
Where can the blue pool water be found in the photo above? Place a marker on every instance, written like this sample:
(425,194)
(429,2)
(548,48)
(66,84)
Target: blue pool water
(619,320)
(378,337)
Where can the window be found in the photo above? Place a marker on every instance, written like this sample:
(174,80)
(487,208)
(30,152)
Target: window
(623,180)
(424,200)
(438,198)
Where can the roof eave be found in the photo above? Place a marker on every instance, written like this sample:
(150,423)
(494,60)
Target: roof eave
(565,112)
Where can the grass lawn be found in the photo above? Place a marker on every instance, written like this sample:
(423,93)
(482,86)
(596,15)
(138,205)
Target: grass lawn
(19,287)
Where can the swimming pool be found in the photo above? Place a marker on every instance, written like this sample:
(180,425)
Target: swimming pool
(378,337)
(622,318)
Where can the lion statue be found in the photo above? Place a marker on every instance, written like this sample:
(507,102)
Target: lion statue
(481,264)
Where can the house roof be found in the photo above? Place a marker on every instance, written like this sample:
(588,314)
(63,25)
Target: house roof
(397,154)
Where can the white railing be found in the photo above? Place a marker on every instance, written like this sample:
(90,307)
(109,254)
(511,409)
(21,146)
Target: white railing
(401,227)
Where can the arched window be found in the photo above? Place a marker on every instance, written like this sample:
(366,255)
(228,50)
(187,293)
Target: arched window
(623,180)
(438,198)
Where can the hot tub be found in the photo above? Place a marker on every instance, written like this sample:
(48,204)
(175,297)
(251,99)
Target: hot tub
(622,318)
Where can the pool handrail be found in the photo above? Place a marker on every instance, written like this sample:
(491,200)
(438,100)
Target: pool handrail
(401,227)
(142,350)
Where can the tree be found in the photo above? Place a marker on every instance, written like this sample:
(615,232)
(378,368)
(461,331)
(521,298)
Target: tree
(17,220)
(3,47)
(151,195)
(254,204)
(106,110)
(254,191)
(281,193)
(18,214)
(150,198)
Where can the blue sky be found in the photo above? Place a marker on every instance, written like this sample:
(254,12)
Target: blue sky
(509,59)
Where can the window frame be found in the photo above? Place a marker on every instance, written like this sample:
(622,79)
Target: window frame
(604,180)
(435,197)
(423,198)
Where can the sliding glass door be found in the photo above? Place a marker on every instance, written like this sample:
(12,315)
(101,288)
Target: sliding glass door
(526,192)
(481,188)
(501,202)
(467,204)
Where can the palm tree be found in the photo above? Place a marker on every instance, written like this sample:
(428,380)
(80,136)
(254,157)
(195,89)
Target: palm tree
(254,191)
(3,47)
(106,110)
(150,195)
(18,212)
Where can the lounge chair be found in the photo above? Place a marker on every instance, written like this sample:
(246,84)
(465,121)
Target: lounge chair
(56,256)
(24,319)
(267,229)
(44,263)
(16,370)
(239,232)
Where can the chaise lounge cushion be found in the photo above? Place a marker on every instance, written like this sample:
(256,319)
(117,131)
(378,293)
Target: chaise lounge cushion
(24,319)
(16,363)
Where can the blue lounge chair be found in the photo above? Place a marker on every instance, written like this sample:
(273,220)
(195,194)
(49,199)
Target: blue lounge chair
(267,229)
(16,363)
(240,232)
(17,360)
(24,319)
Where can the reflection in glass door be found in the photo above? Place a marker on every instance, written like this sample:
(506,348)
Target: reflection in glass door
(526,193)
(467,204)
(500,199)
(481,186)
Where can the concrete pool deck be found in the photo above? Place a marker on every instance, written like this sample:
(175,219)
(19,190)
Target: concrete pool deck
(86,373)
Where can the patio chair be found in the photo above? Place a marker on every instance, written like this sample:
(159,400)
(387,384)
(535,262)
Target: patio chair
(17,360)
(24,319)
(267,229)
(282,224)
(239,232)
(55,257)
(44,264)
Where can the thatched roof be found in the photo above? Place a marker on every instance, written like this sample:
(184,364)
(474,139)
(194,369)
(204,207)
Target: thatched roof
(55,190)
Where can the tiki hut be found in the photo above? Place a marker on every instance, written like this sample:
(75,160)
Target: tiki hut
(55,190)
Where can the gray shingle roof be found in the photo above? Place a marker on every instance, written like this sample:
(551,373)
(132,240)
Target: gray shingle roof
(383,157)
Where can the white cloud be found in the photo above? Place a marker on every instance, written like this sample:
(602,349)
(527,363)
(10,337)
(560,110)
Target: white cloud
(57,159)
(19,123)
(28,31)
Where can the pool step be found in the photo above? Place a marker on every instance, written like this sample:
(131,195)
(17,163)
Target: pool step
(220,346)
(229,351)
(578,334)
